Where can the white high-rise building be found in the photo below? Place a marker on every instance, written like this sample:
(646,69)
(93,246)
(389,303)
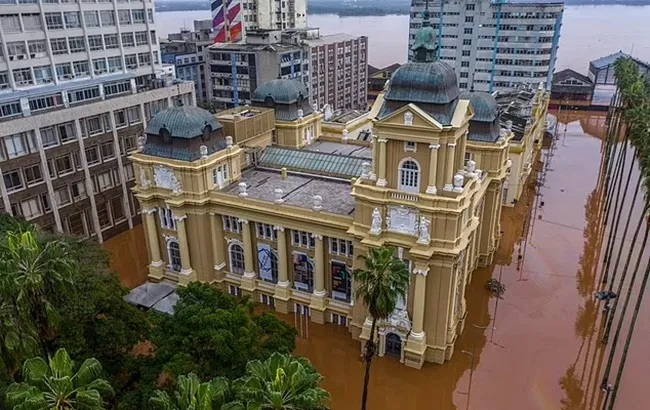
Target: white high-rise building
(494,44)
(78,82)
(275,14)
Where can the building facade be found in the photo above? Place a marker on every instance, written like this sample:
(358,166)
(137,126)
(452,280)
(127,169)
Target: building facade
(290,227)
(333,68)
(494,45)
(77,84)
(187,52)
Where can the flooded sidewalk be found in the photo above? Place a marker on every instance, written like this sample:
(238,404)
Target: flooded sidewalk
(536,348)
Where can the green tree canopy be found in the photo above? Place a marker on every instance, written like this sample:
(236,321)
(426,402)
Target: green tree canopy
(191,394)
(56,385)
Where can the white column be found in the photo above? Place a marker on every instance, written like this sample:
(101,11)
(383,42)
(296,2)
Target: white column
(381,170)
(216,229)
(5,196)
(249,267)
(152,233)
(319,255)
(433,169)
(419,297)
(283,266)
(186,266)
(449,166)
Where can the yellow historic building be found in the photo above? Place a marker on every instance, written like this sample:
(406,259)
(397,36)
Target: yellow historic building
(253,201)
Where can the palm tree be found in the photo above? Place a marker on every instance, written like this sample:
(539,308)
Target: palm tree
(31,272)
(281,382)
(383,281)
(56,386)
(191,394)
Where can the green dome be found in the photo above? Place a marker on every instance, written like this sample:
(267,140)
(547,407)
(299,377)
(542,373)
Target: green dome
(432,82)
(183,122)
(281,91)
(485,105)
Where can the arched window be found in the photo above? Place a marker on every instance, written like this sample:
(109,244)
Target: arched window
(236,258)
(409,176)
(174,251)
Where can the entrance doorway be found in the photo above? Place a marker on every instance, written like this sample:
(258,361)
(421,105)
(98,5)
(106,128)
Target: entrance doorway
(393,345)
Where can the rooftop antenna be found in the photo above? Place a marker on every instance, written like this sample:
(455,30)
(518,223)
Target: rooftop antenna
(472,87)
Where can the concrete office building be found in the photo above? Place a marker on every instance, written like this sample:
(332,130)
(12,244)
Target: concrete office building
(494,45)
(186,51)
(333,68)
(77,83)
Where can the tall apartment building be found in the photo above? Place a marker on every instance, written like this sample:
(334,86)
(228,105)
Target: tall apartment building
(186,51)
(494,44)
(78,81)
(333,68)
(232,19)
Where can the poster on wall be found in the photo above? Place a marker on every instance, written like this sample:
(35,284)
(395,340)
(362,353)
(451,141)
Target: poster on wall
(266,262)
(340,281)
(303,272)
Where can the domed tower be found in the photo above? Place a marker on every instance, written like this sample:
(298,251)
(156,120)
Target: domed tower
(484,126)
(296,122)
(184,159)
(421,200)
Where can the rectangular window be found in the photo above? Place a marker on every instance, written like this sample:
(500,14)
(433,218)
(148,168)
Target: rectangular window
(340,320)
(10,109)
(54,21)
(107,150)
(469,7)
(107,17)
(144,59)
(99,66)
(92,155)
(23,76)
(59,46)
(124,16)
(410,146)
(464,63)
(66,132)
(64,165)
(110,41)
(469,19)
(77,44)
(103,214)
(141,38)
(129,143)
(127,40)
(234,290)
(48,137)
(15,145)
(120,118)
(464,75)
(341,247)
(13,180)
(117,209)
(167,220)
(72,19)
(232,224)
(267,300)
(78,190)
(95,42)
(43,74)
(133,114)
(467,42)
(38,47)
(94,125)
(138,16)
(303,239)
(44,103)
(131,61)
(76,224)
(45,200)
(81,70)
(115,65)
(467,30)
(466,53)
(64,71)
(266,231)
(91,18)
(17,49)
(31,208)
(62,196)
(31,22)
(33,174)
(105,181)
(11,22)
(128,172)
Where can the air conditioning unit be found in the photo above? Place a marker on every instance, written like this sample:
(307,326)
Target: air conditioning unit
(32,55)
(21,56)
(66,76)
(11,58)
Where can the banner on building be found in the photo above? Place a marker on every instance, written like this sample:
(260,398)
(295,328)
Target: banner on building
(227,20)
(265,256)
(340,281)
(303,272)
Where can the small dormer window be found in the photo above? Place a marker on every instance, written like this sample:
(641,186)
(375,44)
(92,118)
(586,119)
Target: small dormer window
(207,130)
(410,146)
(165,134)
(220,176)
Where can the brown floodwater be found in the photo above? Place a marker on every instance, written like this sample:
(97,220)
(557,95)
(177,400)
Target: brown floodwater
(536,348)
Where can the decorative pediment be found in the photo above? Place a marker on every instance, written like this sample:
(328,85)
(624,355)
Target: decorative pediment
(410,115)
(402,219)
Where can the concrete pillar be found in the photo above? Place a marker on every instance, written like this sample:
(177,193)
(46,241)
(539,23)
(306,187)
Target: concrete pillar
(45,172)
(449,167)
(374,156)
(317,306)
(216,229)
(282,291)
(381,171)
(248,280)
(156,269)
(120,166)
(461,153)
(433,169)
(186,266)
(89,182)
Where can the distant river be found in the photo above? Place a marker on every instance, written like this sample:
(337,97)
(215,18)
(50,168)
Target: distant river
(588,32)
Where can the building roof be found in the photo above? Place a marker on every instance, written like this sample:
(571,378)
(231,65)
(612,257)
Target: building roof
(485,105)
(608,60)
(248,47)
(299,190)
(287,97)
(372,69)
(569,73)
(312,162)
(183,122)
(338,148)
(329,39)
(431,82)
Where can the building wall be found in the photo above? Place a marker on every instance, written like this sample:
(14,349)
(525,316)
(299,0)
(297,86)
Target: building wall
(87,147)
(528,37)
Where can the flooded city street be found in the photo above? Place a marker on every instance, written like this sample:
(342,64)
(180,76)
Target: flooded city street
(538,347)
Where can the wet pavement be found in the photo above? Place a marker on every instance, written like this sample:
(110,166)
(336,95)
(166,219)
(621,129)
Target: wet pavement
(536,348)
